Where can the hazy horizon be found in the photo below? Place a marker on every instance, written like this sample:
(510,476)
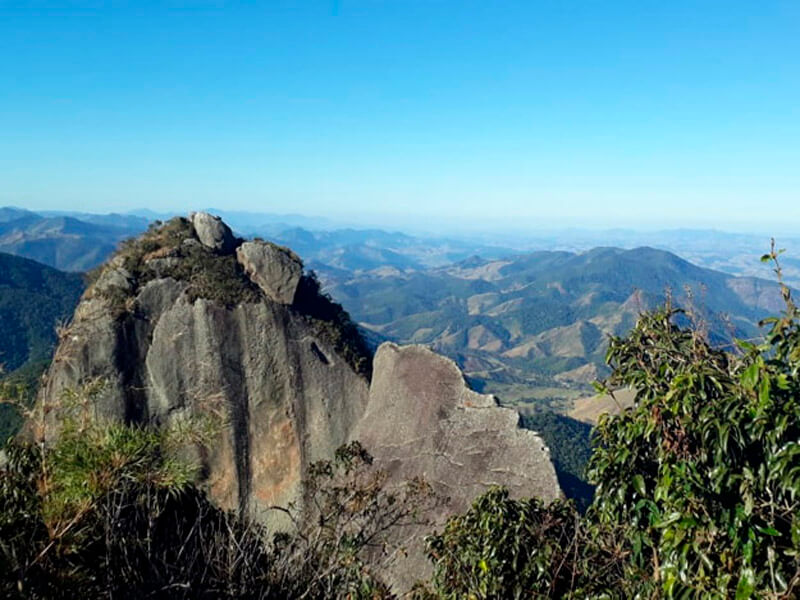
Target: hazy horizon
(459,227)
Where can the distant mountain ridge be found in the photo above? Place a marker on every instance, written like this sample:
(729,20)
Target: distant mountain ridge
(66,241)
(326,243)
(541,320)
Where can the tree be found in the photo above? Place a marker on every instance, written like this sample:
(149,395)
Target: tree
(703,473)
(504,548)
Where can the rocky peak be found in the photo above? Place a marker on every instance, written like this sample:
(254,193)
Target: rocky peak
(423,420)
(188,321)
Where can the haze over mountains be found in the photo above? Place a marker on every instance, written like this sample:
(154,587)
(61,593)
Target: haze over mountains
(535,326)
(75,241)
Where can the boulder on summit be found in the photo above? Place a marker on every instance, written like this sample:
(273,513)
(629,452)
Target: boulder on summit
(213,232)
(275,270)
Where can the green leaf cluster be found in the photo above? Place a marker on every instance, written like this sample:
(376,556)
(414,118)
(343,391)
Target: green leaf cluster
(703,473)
(504,548)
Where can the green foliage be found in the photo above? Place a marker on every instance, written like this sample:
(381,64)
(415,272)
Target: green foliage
(570,450)
(703,473)
(63,501)
(17,392)
(109,510)
(504,548)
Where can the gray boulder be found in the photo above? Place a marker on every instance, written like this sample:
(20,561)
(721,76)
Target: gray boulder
(114,278)
(275,270)
(213,233)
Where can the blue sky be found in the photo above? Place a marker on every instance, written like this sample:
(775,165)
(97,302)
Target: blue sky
(595,113)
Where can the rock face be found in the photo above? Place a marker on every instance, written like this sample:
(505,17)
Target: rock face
(275,270)
(190,322)
(279,392)
(423,420)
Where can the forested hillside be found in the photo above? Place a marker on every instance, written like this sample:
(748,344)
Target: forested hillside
(34,299)
(535,327)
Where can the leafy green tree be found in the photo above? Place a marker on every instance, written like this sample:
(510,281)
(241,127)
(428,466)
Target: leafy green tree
(703,473)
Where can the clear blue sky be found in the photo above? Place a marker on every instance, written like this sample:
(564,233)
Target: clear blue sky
(592,112)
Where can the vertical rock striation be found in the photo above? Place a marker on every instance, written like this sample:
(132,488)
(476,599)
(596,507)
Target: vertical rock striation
(264,372)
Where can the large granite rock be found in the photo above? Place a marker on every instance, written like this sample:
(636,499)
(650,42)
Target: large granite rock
(423,420)
(213,233)
(275,270)
(279,392)
(281,395)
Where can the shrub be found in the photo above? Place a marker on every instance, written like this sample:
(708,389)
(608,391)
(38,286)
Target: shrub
(703,472)
(109,510)
(504,548)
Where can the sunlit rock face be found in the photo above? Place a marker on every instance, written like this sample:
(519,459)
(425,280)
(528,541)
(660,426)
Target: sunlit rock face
(423,420)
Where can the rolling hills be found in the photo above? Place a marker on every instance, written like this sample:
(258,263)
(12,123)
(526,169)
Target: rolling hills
(529,325)
(534,327)
(69,242)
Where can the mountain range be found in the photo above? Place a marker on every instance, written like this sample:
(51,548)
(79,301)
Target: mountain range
(528,325)
(534,327)
(66,241)
(78,241)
